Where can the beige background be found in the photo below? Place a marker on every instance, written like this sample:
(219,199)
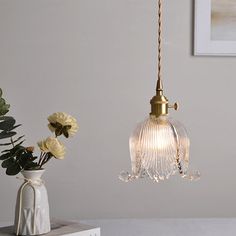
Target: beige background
(97,61)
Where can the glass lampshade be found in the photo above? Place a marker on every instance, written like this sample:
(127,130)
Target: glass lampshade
(159,148)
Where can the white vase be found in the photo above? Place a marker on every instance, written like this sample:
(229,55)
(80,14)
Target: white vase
(32,210)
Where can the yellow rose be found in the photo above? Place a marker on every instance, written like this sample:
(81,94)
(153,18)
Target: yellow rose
(54,146)
(64,120)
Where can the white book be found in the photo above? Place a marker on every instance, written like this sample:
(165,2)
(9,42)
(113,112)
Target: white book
(65,228)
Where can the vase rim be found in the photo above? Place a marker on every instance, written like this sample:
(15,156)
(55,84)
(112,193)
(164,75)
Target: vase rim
(41,170)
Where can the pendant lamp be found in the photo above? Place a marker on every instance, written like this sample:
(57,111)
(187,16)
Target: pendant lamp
(159,146)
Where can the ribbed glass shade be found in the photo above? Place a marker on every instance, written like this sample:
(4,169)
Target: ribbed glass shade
(159,148)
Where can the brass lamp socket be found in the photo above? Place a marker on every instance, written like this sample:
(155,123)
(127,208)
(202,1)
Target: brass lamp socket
(159,105)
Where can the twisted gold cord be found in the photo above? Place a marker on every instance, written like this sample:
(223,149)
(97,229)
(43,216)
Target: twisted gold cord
(159,13)
(159,103)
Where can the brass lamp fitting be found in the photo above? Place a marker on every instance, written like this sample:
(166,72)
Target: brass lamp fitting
(159,103)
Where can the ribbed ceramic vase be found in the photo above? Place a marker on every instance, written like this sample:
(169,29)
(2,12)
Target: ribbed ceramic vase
(32,209)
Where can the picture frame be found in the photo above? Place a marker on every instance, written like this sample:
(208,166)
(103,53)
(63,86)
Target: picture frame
(215,28)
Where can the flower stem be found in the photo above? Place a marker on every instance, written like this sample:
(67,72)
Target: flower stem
(41,159)
(46,158)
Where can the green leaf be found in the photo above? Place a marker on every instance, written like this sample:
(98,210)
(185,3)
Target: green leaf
(5,117)
(20,155)
(5,156)
(4,134)
(12,152)
(4,108)
(4,151)
(14,141)
(14,127)
(2,102)
(19,151)
(23,161)
(7,163)
(27,155)
(18,139)
(32,166)
(13,169)
(26,160)
(5,144)
(20,143)
(7,123)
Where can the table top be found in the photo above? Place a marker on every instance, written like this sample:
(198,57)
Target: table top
(163,227)
(166,227)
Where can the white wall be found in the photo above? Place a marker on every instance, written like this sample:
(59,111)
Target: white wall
(97,60)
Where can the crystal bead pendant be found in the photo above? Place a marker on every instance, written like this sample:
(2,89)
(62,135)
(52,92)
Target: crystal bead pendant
(159,148)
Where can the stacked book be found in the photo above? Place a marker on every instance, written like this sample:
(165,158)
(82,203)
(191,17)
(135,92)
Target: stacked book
(61,228)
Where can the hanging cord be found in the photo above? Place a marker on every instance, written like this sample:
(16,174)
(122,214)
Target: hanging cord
(159,38)
(159,41)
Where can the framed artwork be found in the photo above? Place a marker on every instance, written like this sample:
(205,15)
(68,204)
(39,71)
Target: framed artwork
(215,27)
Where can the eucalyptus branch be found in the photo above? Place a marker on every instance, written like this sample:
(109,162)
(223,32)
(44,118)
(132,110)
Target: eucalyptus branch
(12,142)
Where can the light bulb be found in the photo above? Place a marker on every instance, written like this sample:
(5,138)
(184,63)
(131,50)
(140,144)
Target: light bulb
(159,148)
